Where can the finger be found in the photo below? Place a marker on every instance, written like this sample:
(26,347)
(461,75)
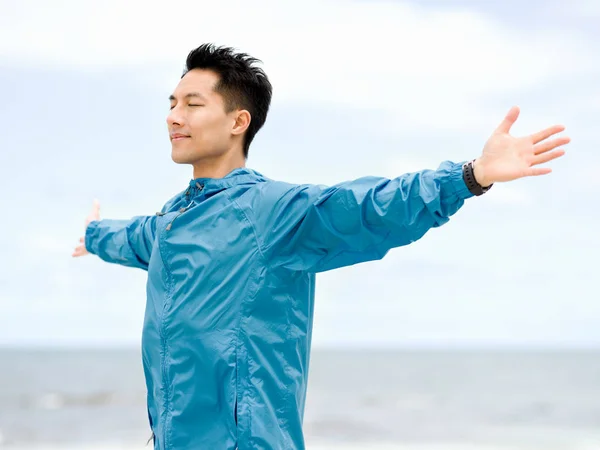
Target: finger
(547,157)
(509,120)
(544,147)
(81,239)
(545,134)
(96,208)
(537,171)
(80,251)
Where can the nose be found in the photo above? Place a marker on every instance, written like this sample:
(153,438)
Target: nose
(174,118)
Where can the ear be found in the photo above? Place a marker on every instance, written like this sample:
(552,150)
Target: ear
(242,121)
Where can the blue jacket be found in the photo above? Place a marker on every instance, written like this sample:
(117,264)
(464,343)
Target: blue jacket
(230,294)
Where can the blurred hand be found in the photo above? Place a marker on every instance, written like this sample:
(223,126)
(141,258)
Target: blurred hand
(80,250)
(507,158)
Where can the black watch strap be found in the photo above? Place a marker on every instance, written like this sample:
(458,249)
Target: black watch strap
(469,176)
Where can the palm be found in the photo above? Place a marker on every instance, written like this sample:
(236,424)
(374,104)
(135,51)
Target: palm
(507,158)
(80,250)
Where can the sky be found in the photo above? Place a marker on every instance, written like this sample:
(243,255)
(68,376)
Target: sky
(360,88)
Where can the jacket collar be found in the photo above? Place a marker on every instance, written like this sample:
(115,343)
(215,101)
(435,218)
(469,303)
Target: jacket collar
(237,176)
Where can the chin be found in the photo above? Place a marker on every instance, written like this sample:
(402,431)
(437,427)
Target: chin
(181,158)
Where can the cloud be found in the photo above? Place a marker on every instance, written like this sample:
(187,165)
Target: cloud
(586,9)
(424,68)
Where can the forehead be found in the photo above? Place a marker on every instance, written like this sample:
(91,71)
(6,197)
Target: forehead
(197,80)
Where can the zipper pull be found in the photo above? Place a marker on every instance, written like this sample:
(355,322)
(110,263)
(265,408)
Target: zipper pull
(181,211)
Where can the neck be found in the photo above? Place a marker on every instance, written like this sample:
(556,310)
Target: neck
(218,167)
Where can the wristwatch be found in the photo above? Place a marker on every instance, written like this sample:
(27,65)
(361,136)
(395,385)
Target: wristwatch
(469,176)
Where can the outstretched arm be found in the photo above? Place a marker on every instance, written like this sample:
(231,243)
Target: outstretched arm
(314,228)
(125,242)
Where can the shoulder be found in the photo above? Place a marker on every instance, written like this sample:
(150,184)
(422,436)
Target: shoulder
(274,206)
(272,195)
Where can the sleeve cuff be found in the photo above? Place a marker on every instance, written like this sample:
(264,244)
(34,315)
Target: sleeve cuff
(457,181)
(89,235)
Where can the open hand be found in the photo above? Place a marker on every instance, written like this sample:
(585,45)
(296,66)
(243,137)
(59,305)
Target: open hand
(80,250)
(507,158)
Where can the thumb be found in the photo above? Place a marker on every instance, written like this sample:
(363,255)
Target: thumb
(96,208)
(509,120)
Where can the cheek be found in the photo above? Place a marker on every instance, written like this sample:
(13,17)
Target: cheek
(200,122)
(210,127)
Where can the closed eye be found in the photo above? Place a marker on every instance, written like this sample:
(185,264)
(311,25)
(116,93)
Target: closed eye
(173,106)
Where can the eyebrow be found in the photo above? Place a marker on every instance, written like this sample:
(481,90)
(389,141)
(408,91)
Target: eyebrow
(189,95)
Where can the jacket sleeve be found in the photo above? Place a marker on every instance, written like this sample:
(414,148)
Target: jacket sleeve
(314,228)
(125,242)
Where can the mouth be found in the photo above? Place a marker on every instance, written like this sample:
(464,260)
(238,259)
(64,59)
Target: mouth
(178,137)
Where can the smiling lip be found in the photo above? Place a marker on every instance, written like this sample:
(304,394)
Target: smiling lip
(178,137)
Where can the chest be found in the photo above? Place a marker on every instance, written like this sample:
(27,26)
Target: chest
(205,241)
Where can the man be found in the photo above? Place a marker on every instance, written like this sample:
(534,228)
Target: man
(232,259)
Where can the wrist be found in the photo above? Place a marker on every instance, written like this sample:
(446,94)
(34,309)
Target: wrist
(473,184)
(479,173)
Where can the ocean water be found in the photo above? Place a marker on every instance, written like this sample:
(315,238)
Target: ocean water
(95,399)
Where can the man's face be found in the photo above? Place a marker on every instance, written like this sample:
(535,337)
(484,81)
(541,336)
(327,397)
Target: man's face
(199,127)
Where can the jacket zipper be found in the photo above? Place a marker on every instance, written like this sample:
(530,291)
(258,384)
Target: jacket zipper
(162,330)
(163,344)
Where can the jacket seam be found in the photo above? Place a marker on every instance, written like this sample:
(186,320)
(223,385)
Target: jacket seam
(238,343)
(258,245)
